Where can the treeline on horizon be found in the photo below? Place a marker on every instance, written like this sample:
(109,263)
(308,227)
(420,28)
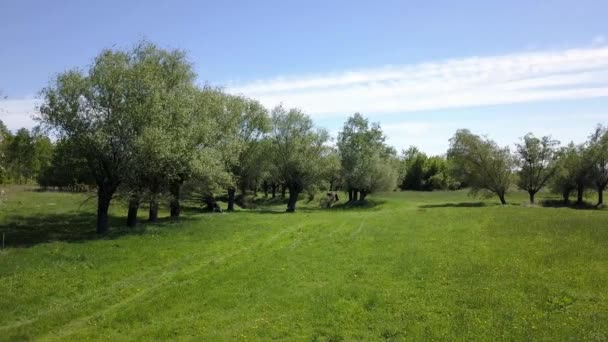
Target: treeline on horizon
(135,126)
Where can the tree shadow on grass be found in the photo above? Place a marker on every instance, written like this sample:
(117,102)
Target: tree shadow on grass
(358,205)
(27,231)
(457,205)
(555,203)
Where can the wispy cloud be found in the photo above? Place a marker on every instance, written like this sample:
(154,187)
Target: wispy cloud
(456,83)
(18,113)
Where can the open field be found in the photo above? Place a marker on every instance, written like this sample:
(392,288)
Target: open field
(409,266)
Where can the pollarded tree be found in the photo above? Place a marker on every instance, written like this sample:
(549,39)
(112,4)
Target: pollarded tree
(481,163)
(102,113)
(361,146)
(163,93)
(598,158)
(331,169)
(296,151)
(563,181)
(243,124)
(536,160)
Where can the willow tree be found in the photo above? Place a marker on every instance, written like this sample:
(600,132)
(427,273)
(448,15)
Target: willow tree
(598,160)
(297,149)
(481,163)
(243,123)
(105,110)
(366,161)
(536,160)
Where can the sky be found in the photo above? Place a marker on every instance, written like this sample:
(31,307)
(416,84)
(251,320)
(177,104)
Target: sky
(422,69)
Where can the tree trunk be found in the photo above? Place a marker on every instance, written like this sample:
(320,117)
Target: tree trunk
(531,193)
(175,206)
(231,192)
(580,190)
(153,213)
(363,195)
(255,188)
(600,196)
(104,196)
(566,196)
(265,186)
(501,196)
(274,190)
(283,190)
(293,198)
(350,195)
(132,215)
(355,194)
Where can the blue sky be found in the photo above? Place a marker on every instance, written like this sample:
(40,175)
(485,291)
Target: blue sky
(420,68)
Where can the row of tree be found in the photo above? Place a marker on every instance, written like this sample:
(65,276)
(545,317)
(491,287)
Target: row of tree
(136,126)
(23,155)
(537,163)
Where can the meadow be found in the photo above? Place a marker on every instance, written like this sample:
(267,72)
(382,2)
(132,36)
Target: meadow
(406,266)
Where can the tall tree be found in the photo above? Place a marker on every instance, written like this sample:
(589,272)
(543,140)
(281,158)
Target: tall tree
(102,113)
(5,136)
(21,156)
(536,160)
(563,181)
(243,123)
(481,163)
(361,146)
(297,149)
(598,156)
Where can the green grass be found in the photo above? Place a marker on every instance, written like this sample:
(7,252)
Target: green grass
(409,266)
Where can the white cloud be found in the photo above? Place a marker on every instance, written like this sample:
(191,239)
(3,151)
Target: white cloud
(18,113)
(433,136)
(476,81)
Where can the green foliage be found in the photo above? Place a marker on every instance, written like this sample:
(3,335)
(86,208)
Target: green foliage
(536,160)
(24,155)
(367,162)
(297,150)
(67,170)
(598,159)
(481,163)
(115,108)
(420,172)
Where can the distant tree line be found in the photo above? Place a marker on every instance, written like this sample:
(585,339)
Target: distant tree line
(135,126)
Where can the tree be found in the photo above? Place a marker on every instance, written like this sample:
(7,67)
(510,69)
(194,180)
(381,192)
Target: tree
(362,149)
(414,178)
(331,169)
(5,135)
(166,100)
(21,156)
(102,113)
(481,163)
(297,150)
(598,156)
(67,170)
(567,162)
(243,123)
(536,161)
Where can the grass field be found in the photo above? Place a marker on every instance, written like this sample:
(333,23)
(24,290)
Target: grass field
(409,266)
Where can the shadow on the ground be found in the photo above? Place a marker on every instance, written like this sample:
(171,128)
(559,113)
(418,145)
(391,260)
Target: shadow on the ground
(555,203)
(27,231)
(458,205)
(340,206)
